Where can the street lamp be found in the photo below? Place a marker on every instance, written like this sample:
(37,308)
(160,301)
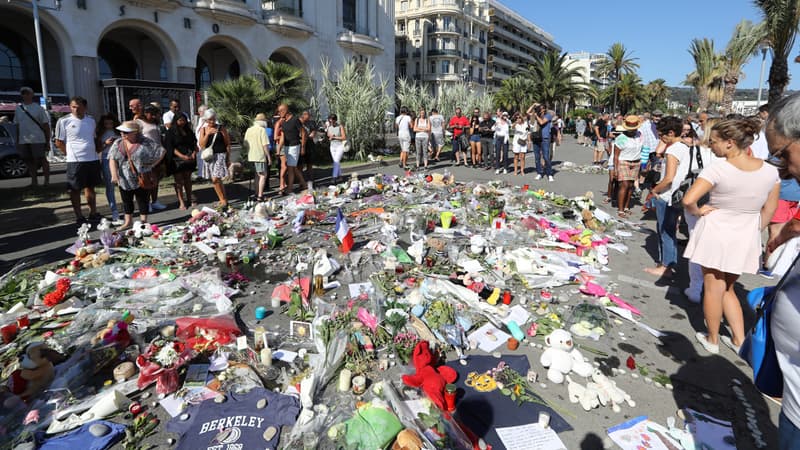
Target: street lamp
(39,48)
(761,76)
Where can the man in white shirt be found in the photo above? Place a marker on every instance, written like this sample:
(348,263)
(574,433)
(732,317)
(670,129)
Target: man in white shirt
(174,110)
(759,147)
(33,135)
(75,137)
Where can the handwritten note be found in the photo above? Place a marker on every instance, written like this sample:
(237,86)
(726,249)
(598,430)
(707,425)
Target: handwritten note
(530,437)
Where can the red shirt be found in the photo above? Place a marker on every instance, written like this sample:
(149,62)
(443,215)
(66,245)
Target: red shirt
(456,121)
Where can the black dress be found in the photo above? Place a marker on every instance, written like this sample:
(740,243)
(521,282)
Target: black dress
(185,143)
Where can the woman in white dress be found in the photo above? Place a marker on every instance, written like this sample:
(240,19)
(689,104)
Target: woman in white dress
(521,140)
(336,135)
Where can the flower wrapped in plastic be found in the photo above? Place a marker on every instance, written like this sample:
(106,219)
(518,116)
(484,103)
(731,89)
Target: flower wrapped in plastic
(201,334)
(160,363)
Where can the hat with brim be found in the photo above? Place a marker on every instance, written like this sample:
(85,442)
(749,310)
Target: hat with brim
(129,126)
(261,116)
(631,123)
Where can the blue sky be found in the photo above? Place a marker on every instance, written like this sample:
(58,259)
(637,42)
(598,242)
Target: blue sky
(659,36)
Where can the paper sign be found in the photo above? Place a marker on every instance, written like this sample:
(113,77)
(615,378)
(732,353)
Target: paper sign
(530,437)
(284,355)
(488,338)
(241,343)
(518,314)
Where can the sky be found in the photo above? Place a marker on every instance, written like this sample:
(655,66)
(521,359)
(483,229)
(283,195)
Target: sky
(659,36)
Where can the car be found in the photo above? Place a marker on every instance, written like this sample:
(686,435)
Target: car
(11,165)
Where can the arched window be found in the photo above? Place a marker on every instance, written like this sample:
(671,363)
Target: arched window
(162,71)
(202,75)
(10,65)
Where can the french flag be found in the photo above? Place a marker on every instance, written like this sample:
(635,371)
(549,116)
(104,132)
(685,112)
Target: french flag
(343,232)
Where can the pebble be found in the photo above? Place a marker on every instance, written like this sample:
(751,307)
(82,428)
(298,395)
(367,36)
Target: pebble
(532,344)
(621,333)
(634,375)
(648,380)
(162,396)
(269,433)
(145,395)
(261,403)
(596,364)
(154,404)
(669,386)
(706,396)
(543,385)
(184,417)
(170,441)
(219,399)
(463,362)
(99,429)
(681,415)
(657,384)
(497,355)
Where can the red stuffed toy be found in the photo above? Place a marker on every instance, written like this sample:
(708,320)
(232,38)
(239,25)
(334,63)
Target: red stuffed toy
(432,380)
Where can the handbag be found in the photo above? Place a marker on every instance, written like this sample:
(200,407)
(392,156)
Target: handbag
(208,153)
(536,132)
(145,180)
(522,142)
(686,183)
(346,145)
(758,348)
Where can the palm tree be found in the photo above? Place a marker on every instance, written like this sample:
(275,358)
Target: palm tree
(631,93)
(657,94)
(780,28)
(618,61)
(515,94)
(284,83)
(553,81)
(708,69)
(237,101)
(743,45)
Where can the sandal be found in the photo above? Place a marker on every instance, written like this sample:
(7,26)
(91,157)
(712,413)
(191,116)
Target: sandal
(622,214)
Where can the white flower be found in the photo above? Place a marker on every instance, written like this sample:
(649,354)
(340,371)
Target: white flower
(167,356)
(397,311)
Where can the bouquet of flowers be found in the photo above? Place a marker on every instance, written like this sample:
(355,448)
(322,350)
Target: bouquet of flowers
(58,295)
(160,362)
(404,344)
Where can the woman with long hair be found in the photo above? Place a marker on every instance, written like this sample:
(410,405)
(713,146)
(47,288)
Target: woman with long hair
(216,136)
(106,134)
(726,240)
(521,140)
(475,138)
(422,131)
(337,134)
(181,144)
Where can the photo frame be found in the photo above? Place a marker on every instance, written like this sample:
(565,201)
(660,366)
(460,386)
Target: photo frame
(302,330)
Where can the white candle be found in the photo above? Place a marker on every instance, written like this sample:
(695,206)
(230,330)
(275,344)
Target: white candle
(266,356)
(544,419)
(275,302)
(344,380)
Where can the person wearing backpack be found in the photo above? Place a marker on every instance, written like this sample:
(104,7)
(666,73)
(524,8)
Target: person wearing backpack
(33,136)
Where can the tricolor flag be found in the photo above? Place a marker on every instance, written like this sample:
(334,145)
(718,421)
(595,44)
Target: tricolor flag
(343,232)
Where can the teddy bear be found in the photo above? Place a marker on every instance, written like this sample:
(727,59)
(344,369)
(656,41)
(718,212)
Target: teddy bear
(560,358)
(36,372)
(588,396)
(609,392)
(591,222)
(432,379)
(407,440)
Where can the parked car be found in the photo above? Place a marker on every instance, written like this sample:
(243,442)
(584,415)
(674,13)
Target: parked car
(11,165)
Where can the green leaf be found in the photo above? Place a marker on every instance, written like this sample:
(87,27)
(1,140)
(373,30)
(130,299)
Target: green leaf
(505,391)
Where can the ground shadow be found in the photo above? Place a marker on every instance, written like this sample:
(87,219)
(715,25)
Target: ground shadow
(704,383)
(592,442)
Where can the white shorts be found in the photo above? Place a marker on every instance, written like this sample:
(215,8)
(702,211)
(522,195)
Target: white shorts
(516,148)
(292,155)
(405,143)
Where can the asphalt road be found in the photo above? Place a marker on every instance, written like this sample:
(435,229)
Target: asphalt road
(699,380)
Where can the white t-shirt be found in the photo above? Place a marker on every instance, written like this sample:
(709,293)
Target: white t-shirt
(29,131)
(437,124)
(759,147)
(403,122)
(422,123)
(680,151)
(78,136)
(630,148)
(500,128)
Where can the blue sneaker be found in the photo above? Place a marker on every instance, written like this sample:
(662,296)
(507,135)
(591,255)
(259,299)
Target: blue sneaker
(766,274)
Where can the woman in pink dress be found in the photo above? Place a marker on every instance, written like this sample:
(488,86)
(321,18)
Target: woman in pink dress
(726,240)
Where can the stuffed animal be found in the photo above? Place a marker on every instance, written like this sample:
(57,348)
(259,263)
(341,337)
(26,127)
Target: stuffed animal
(591,222)
(141,229)
(432,379)
(35,373)
(587,396)
(560,358)
(609,392)
(407,440)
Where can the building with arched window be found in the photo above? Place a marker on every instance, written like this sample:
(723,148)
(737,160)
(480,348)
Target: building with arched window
(111,50)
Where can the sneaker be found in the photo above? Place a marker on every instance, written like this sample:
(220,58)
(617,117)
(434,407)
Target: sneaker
(497,172)
(550,178)
(692,296)
(505,170)
(702,338)
(117,222)
(158,206)
(729,343)
(766,274)
(538,176)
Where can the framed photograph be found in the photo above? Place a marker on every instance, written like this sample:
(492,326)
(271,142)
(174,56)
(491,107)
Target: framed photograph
(301,330)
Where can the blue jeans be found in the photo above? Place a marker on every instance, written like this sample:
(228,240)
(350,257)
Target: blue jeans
(542,150)
(500,153)
(667,223)
(110,196)
(788,434)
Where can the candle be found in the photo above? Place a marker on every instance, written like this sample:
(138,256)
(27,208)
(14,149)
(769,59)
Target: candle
(359,385)
(261,313)
(266,356)
(450,397)
(275,302)
(344,380)
(544,419)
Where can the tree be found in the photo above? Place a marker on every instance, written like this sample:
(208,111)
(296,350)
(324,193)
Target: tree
(780,28)
(707,72)
(515,94)
(237,101)
(284,83)
(360,101)
(618,61)
(631,93)
(412,96)
(657,94)
(459,95)
(741,47)
(553,81)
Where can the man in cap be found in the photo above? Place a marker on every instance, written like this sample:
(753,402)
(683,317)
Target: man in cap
(33,136)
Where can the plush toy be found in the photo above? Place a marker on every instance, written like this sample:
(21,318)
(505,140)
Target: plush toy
(560,357)
(432,380)
(609,392)
(115,332)
(35,374)
(588,396)
(141,229)
(407,440)
(591,222)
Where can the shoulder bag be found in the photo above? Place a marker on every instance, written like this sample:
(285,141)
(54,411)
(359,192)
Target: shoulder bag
(38,124)
(686,183)
(536,131)
(758,348)
(145,180)
(208,153)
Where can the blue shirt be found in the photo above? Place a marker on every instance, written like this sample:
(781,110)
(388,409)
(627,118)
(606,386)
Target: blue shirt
(790,190)
(546,128)
(83,439)
(270,138)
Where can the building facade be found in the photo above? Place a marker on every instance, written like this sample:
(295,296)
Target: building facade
(105,50)
(514,43)
(587,63)
(438,42)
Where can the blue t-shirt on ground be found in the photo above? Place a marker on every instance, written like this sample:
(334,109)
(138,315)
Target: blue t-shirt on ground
(84,440)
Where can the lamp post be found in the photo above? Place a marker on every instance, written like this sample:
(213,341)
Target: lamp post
(761,76)
(40,49)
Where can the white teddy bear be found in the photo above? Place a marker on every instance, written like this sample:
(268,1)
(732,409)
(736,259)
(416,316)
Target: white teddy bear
(588,396)
(561,358)
(609,392)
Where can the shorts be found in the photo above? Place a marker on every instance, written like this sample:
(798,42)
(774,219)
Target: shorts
(31,151)
(82,175)
(437,140)
(785,211)
(292,155)
(260,167)
(458,144)
(405,143)
(475,138)
(628,170)
(601,145)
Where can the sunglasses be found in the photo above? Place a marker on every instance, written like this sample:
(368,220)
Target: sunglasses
(777,159)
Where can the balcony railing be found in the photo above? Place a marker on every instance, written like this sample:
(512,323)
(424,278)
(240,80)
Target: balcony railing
(226,11)
(482,40)
(283,7)
(444,52)
(444,29)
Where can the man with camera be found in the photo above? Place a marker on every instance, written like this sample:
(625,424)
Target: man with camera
(541,139)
